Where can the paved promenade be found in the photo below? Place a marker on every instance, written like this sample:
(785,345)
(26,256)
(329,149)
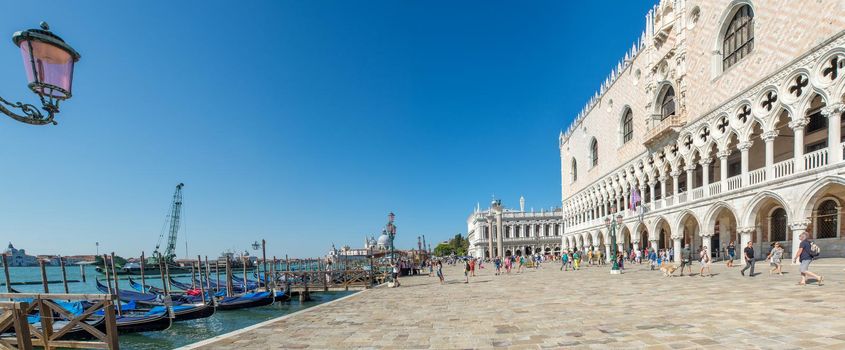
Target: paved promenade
(590,308)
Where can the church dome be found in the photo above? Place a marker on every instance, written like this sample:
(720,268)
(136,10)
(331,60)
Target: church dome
(384,240)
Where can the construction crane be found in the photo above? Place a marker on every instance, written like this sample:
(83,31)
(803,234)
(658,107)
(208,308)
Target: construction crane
(172,221)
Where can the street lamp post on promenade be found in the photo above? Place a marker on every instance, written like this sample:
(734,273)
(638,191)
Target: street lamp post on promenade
(48,63)
(390,230)
(611,229)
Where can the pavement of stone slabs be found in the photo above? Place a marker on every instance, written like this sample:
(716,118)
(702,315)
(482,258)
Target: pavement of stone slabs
(587,309)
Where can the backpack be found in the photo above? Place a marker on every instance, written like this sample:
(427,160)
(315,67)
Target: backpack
(815,250)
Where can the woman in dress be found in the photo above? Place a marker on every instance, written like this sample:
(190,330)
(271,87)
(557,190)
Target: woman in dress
(440,271)
(775,259)
(704,260)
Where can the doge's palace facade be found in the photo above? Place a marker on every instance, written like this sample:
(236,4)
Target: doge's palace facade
(726,126)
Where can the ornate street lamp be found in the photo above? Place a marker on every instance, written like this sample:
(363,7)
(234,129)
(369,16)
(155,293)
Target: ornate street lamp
(611,228)
(390,230)
(48,63)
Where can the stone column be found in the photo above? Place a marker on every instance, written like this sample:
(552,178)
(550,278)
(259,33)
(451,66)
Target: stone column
(651,186)
(653,245)
(745,237)
(798,227)
(607,250)
(676,247)
(798,128)
(723,167)
(690,178)
(663,179)
(743,148)
(675,174)
(705,174)
(834,134)
(706,241)
(490,238)
(499,237)
(769,139)
(642,194)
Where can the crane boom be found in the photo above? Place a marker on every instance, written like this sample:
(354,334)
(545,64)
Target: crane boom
(174,216)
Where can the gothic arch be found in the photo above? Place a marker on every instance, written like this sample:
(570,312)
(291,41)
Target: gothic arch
(816,192)
(710,216)
(623,128)
(753,206)
(723,23)
(682,216)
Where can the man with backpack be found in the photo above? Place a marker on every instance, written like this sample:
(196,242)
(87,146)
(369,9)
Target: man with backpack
(807,251)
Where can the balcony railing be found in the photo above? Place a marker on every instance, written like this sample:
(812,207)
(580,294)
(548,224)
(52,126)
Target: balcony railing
(815,159)
(715,188)
(784,168)
(812,160)
(757,176)
(734,182)
(664,126)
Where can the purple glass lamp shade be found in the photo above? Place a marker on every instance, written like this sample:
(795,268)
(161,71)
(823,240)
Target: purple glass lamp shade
(48,62)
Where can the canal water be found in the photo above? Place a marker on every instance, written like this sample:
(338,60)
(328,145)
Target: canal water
(181,333)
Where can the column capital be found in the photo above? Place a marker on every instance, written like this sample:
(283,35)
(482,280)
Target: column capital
(769,136)
(799,123)
(745,145)
(652,183)
(800,225)
(723,154)
(676,237)
(746,230)
(705,161)
(676,173)
(663,178)
(690,167)
(833,110)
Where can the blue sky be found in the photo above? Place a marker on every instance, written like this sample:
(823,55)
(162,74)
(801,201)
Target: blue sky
(302,122)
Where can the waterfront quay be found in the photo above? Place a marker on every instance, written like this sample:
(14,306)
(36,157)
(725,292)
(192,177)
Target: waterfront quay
(549,309)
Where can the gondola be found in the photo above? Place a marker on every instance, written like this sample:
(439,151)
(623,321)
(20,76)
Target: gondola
(144,288)
(128,295)
(150,322)
(186,307)
(184,312)
(246,301)
(76,333)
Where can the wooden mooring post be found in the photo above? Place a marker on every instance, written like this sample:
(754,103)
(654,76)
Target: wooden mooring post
(43,276)
(64,274)
(82,272)
(6,273)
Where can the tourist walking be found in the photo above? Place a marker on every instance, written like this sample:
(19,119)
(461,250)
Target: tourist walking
(472,267)
(775,257)
(576,257)
(686,259)
(704,260)
(564,258)
(466,270)
(731,254)
(748,255)
(652,259)
(498,263)
(440,271)
(395,274)
(807,251)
